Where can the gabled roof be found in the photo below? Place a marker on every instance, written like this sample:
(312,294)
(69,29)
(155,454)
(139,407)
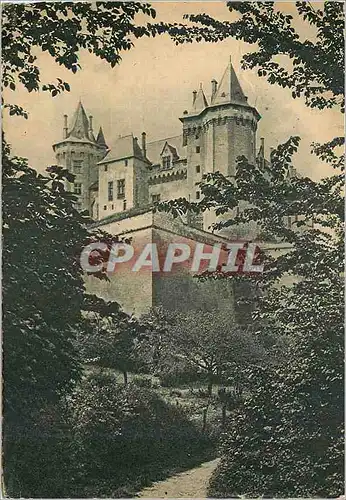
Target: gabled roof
(155,148)
(172,150)
(229,89)
(123,147)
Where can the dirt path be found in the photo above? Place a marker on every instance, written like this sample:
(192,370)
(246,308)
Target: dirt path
(192,483)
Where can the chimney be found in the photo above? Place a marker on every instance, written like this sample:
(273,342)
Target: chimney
(213,88)
(144,144)
(65,130)
(194,94)
(262,147)
(90,123)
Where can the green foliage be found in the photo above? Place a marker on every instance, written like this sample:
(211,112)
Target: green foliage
(181,347)
(39,456)
(43,299)
(63,29)
(110,338)
(43,286)
(286,438)
(313,67)
(128,436)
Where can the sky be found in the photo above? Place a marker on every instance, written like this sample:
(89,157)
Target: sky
(152,86)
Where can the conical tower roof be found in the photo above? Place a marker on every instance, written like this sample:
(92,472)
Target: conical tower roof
(200,102)
(101,138)
(229,89)
(80,124)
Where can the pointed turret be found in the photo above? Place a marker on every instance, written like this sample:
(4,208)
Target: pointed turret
(229,89)
(80,124)
(101,139)
(199,101)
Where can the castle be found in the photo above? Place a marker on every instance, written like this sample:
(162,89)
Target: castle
(118,183)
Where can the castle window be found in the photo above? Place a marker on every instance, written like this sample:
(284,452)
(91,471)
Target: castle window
(198,195)
(121,188)
(198,149)
(155,198)
(198,169)
(126,163)
(106,168)
(112,207)
(77,166)
(105,207)
(110,191)
(124,205)
(77,188)
(166,161)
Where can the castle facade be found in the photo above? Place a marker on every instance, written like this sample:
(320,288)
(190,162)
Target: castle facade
(119,181)
(116,176)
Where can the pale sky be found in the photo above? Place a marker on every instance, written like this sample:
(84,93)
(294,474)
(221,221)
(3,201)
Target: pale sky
(152,87)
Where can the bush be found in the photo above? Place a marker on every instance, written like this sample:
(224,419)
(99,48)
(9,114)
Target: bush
(128,436)
(180,375)
(144,382)
(285,440)
(38,456)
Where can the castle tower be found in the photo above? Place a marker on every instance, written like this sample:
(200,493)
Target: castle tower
(79,152)
(122,176)
(216,133)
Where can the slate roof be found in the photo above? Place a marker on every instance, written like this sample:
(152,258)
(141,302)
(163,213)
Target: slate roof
(155,148)
(123,147)
(200,102)
(229,89)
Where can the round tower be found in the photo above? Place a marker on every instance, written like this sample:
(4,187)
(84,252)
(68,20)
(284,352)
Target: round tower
(80,152)
(218,132)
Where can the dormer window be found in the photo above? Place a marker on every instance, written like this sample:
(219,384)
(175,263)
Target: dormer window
(166,162)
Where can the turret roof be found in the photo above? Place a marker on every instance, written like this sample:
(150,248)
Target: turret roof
(229,89)
(80,124)
(101,138)
(200,102)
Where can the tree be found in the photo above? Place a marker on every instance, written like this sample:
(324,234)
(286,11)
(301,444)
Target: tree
(286,440)
(212,343)
(153,341)
(43,288)
(316,71)
(110,338)
(105,29)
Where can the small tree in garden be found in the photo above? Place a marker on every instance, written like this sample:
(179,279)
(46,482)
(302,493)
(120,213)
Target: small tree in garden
(212,343)
(110,338)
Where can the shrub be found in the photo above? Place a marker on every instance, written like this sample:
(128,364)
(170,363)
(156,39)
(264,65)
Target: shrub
(144,382)
(128,436)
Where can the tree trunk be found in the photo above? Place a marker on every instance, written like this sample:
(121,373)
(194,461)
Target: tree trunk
(204,427)
(125,378)
(210,384)
(224,415)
